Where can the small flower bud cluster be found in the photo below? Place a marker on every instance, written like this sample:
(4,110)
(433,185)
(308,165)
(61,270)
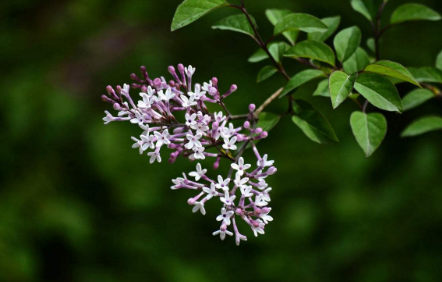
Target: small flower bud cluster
(175,115)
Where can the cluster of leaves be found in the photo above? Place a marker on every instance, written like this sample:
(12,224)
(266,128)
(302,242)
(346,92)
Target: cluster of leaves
(346,71)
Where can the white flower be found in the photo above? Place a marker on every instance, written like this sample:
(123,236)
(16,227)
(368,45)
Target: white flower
(262,184)
(218,117)
(264,162)
(178,181)
(187,102)
(189,70)
(138,144)
(148,141)
(225,216)
(193,141)
(266,217)
(150,91)
(230,144)
(207,86)
(228,131)
(223,184)
(240,167)
(199,206)
(238,181)
(198,153)
(154,155)
(190,119)
(259,229)
(166,96)
(162,138)
(198,173)
(227,199)
(197,94)
(222,234)
(266,195)
(210,192)
(138,118)
(146,102)
(246,191)
(200,128)
(108,118)
(259,201)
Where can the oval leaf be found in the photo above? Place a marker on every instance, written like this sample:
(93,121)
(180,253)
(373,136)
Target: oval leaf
(312,123)
(274,16)
(298,21)
(365,7)
(332,23)
(341,85)
(266,72)
(191,10)
(258,56)
(439,61)
(301,78)
(312,49)
(322,89)
(238,23)
(413,12)
(392,69)
(379,91)
(278,49)
(423,125)
(369,130)
(416,98)
(427,74)
(267,121)
(357,62)
(346,42)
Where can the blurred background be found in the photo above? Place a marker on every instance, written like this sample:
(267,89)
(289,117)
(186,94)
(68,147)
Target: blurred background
(78,204)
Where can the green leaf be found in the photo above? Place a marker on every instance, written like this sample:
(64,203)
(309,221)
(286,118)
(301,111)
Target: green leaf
(347,42)
(379,91)
(357,62)
(278,49)
(191,10)
(392,69)
(369,130)
(274,16)
(238,23)
(439,61)
(416,98)
(371,44)
(423,125)
(322,89)
(312,123)
(302,22)
(413,12)
(267,121)
(258,56)
(312,49)
(301,78)
(341,85)
(365,7)
(332,23)
(266,72)
(427,74)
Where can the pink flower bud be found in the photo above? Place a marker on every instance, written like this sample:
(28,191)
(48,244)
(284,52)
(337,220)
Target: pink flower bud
(191,201)
(258,130)
(252,107)
(180,68)
(116,106)
(246,124)
(257,211)
(238,211)
(264,134)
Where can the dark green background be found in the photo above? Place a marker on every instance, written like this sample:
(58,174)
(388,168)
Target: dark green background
(78,204)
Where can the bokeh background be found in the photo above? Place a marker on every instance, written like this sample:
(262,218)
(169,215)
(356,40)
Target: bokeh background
(78,204)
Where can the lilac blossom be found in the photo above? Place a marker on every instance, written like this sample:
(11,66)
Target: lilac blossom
(174,115)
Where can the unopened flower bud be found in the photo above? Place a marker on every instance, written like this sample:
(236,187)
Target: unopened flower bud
(258,130)
(117,107)
(271,170)
(191,201)
(247,124)
(104,98)
(257,211)
(238,211)
(252,107)
(264,134)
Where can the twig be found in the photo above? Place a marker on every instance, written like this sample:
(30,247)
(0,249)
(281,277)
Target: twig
(268,101)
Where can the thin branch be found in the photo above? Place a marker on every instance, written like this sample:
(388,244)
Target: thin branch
(268,101)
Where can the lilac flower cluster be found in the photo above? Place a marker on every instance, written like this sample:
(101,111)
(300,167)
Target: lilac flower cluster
(201,134)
